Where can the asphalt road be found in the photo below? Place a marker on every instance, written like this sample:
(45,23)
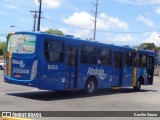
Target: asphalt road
(21,98)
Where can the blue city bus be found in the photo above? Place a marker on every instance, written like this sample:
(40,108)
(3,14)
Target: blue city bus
(52,62)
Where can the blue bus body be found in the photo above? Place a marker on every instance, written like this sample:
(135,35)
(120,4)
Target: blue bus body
(53,62)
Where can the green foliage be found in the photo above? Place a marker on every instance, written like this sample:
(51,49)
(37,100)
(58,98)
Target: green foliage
(3,46)
(56,32)
(157,48)
(147,46)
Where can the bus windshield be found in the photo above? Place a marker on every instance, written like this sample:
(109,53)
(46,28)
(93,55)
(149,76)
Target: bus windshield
(21,43)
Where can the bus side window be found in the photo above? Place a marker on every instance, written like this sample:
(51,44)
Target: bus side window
(54,51)
(88,54)
(71,56)
(136,61)
(118,60)
(143,60)
(46,49)
(128,59)
(105,56)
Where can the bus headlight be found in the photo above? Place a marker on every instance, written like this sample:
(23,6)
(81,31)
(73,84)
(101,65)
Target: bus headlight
(34,70)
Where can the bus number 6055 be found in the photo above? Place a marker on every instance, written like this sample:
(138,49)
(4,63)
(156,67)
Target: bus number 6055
(52,67)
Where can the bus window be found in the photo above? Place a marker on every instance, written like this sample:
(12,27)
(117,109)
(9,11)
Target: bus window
(143,61)
(54,51)
(150,68)
(128,59)
(71,56)
(136,57)
(22,44)
(118,59)
(88,54)
(105,56)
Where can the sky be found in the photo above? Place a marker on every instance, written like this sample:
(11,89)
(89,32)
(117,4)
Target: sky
(120,22)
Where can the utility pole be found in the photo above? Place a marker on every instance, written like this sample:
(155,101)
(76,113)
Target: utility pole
(35,19)
(39,16)
(95,20)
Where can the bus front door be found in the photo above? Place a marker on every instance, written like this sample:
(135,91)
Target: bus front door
(150,73)
(117,69)
(71,67)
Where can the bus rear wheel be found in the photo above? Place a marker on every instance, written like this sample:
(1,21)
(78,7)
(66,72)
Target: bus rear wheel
(1,68)
(138,86)
(90,86)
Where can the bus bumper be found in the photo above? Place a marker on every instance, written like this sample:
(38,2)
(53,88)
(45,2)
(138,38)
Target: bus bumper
(30,83)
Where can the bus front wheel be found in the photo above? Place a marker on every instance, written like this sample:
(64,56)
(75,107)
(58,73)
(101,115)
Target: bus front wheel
(90,86)
(138,86)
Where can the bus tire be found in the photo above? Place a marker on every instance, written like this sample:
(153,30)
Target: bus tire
(90,86)
(1,67)
(138,86)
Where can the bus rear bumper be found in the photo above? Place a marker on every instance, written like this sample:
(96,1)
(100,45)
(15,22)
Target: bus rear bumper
(30,83)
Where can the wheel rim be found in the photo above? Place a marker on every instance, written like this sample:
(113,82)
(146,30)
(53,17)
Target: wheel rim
(90,86)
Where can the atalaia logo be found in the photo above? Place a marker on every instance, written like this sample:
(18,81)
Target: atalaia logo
(18,62)
(96,71)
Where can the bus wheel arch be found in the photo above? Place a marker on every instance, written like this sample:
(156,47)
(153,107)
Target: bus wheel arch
(91,85)
(139,82)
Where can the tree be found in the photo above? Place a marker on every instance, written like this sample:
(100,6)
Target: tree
(3,47)
(157,48)
(56,32)
(147,46)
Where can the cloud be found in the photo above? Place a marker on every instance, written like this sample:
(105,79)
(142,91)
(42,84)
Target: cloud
(140,2)
(121,40)
(153,38)
(130,40)
(83,21)
(158,10)
(104,22)
(109,22)
(65,31)
(10,6)
(49,3)
(146,21)
(82,34)
(44,28)
(78,33)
